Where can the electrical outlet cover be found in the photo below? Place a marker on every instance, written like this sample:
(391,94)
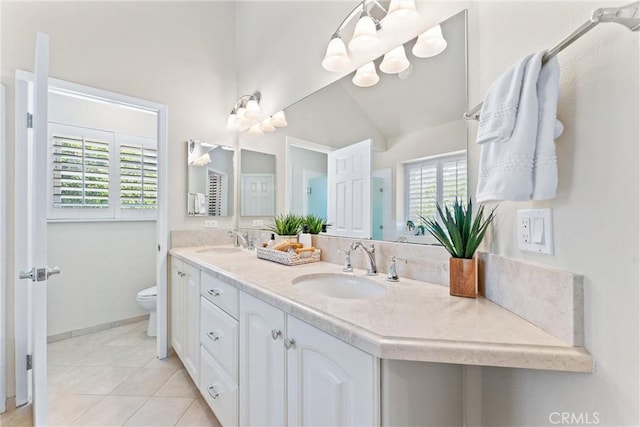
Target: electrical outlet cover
(535,230)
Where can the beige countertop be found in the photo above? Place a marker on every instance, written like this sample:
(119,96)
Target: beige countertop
(413,321)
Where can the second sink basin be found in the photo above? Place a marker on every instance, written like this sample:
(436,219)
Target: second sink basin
(339,285)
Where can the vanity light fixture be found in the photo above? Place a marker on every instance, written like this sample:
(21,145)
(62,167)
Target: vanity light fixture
(245,111)
(247,116)
(366,38)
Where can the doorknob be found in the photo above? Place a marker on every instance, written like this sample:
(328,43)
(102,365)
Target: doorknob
(31,274)
(53,270)
(39,274)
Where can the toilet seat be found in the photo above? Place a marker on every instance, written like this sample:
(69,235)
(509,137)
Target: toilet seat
(149,293)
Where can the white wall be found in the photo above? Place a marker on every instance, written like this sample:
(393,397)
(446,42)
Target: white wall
(180,54)
(103,265)
(595,213)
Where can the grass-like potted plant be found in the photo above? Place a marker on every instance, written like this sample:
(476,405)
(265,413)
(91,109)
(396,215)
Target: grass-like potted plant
(461,235)
(286,226)
(313,223)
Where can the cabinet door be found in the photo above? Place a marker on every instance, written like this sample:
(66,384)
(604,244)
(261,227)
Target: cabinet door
(178,294)
(192,321)
(329,381)
(262,363)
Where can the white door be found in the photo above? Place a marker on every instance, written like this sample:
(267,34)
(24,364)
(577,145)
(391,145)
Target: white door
(192,321)
(349,191)
(178,307)
(258,195)
(330,383)
(31,242)
(262,363)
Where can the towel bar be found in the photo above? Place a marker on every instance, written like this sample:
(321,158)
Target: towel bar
(628,15)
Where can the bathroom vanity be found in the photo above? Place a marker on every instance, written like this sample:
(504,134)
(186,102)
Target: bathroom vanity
(265,352)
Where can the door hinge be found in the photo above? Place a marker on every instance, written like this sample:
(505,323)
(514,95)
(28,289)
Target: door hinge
(29,121)
(29,362)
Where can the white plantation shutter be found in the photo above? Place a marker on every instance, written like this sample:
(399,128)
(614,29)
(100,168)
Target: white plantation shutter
(80,172)
(138,177)
(97,174)
(214,194)
(439,179)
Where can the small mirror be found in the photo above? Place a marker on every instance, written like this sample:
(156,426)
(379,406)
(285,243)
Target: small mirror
(257,183)
(210,179)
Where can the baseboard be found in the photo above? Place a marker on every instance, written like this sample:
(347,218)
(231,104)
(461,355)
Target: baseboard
(96,328)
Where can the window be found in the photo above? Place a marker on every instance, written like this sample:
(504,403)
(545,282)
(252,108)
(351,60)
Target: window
(439,179)
(101,175)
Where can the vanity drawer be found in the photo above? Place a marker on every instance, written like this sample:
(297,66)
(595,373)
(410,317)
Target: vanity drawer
(219,391)
(219,336)
(220,293)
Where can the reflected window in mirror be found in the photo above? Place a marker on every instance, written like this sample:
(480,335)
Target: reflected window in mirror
(431,182)
(257,183)
(210,179)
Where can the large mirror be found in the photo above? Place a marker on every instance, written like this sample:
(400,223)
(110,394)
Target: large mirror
(210,190)
(418,137)
(257,183)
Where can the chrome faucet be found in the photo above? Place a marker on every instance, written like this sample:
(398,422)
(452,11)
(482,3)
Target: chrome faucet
(241,239)
(372,270)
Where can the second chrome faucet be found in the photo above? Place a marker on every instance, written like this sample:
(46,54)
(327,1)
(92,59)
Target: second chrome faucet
(372,269)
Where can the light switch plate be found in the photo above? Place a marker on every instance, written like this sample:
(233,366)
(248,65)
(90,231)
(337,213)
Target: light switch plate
(210,223)
(535,230)
(258,223)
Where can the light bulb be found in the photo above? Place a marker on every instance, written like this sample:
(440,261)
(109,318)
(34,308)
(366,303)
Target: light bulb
(279,120)
(231,122)
(255,130)
(336,59)
(430,43)
(366,76)
(365,37)
(402,13)
(395,61)
(253,109)
(267,126)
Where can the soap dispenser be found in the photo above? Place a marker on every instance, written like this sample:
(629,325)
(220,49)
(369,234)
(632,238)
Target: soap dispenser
(392,274)
(305,237)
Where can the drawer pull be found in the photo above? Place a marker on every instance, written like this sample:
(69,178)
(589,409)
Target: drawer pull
(212,391)
(288,343)
(213,336)
(215,292)
(275,334)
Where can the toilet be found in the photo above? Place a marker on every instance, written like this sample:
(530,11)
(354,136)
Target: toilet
(147,299)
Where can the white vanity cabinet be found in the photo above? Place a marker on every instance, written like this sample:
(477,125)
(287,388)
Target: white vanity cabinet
(185,314)
(289,367)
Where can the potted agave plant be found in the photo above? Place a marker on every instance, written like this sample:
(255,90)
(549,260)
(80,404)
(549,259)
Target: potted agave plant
(461,235)
(313,223)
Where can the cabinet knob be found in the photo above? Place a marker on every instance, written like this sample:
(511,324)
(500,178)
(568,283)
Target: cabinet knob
(275,333)
(213,335)
(212,391)
(215,292)
(288,343)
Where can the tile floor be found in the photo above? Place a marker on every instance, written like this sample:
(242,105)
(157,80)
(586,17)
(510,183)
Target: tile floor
(112,378)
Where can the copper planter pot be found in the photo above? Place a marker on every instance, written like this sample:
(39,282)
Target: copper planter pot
(463,277)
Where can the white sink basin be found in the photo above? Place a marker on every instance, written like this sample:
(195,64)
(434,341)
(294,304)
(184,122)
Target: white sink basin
(339,285)
(222,250)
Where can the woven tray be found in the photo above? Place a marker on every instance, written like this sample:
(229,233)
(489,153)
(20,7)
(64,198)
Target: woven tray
(287,258)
